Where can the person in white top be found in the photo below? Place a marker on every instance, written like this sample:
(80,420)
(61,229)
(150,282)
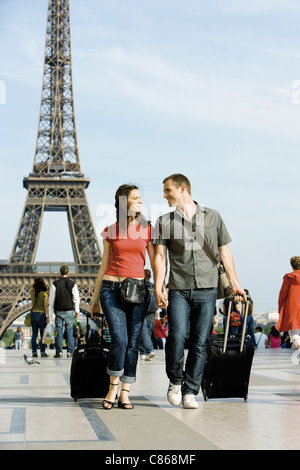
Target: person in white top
(64,302)
(260,338)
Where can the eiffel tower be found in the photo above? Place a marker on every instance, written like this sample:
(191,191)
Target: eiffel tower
(55,184)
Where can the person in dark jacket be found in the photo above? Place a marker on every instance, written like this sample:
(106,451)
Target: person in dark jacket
(64,302)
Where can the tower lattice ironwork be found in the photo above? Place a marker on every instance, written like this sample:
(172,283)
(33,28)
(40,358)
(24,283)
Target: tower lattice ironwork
(56,183)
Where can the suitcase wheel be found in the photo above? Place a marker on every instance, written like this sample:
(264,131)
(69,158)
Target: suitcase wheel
(245,398)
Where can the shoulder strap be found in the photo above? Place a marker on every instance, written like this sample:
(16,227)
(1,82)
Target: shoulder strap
(112,247)
(209,252)
(259,338)
(201,240)
(207,248)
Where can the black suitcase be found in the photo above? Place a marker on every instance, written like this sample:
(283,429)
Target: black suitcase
(228,363)
(88,376)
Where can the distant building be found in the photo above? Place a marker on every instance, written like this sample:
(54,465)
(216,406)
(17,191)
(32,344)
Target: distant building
(263,318)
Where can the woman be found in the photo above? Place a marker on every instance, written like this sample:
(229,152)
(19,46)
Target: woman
(289,303)
(274,338)
(125,244)
(18,338)
(39,314)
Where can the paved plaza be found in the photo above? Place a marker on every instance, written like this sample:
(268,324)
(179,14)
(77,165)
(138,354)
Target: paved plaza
(37,412)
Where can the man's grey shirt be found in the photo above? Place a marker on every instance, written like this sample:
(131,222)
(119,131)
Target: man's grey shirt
(190,267)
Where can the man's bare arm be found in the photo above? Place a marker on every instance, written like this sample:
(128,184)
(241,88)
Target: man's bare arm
(227,258)
(160,271)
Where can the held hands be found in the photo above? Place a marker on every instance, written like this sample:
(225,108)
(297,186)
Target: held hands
(162,298)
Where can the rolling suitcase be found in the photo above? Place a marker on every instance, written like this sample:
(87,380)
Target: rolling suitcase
(88,376)
(228,363)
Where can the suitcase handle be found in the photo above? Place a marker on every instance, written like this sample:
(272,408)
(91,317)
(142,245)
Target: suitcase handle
(231,299)
(88,315)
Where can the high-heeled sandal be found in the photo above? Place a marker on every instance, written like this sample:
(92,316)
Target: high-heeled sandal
(108,405)
(125,406)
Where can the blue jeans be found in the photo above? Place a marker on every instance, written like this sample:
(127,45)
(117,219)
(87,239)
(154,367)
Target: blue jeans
(146,345)
(250,323)
(38,322)
(64,318)
(125,321)
(194,308)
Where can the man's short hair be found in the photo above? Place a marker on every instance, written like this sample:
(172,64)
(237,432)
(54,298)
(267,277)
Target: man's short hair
(64,270)
(179,180)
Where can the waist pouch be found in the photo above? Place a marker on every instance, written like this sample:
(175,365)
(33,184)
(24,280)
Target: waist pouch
(132,290)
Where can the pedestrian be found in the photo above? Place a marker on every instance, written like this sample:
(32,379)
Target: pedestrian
(18,338)
(250,321)
(64,302)
(158,328)
(39,314)
(125,244)
(289,303)
(285,340)
(146,344)
(274,338)
(236,320)
(192,284)
(165,331)
(78,332)
(261,340)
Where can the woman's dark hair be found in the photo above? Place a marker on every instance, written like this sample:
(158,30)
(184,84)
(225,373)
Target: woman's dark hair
(39,285)
(121,198)
(274,332)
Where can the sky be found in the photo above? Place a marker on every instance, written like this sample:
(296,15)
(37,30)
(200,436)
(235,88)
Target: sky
(210,89)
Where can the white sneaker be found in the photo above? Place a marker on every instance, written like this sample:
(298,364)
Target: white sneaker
(150,356)
(143,357)
(189,402)
(174,394)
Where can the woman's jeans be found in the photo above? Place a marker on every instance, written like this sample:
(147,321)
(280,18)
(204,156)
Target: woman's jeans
(18,344)
(64,318)
(125,321)
(194,308)
(38,322)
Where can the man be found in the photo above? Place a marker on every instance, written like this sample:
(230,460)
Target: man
(64,302)
(192,284)
(260,338)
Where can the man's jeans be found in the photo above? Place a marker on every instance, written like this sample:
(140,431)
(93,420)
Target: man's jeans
(146,345)
(64,318)
(195,308)
(250,323)
(125,322)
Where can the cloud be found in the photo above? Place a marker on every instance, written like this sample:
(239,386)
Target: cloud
(160,85)
(255,7)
